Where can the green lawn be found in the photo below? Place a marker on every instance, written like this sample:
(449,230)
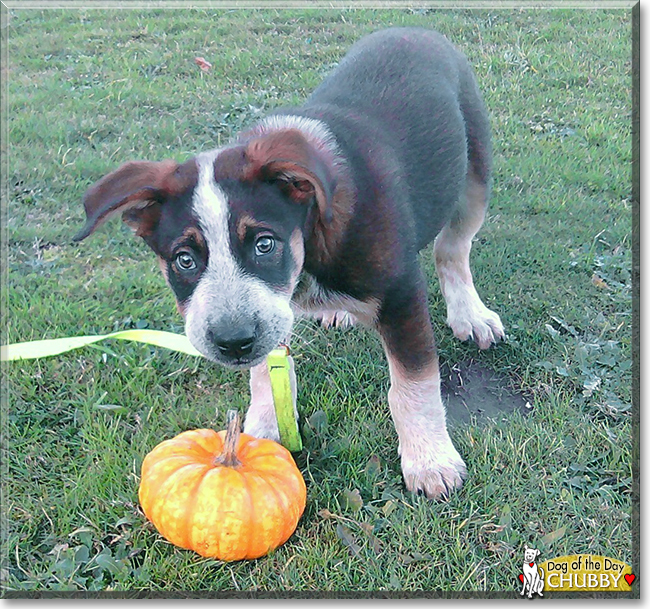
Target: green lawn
(89,89)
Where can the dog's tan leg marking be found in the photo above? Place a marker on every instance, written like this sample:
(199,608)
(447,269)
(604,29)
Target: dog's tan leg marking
(430,462)
(260,420)
(466,314)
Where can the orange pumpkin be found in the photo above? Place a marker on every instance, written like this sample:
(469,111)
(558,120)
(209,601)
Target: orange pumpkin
(222,494)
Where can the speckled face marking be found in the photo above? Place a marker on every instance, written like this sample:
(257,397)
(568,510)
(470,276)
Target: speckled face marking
(239,309)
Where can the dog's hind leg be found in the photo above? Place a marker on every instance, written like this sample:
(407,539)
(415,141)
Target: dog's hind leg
(466,314)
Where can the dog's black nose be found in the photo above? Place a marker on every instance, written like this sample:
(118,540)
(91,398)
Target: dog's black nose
(233,341)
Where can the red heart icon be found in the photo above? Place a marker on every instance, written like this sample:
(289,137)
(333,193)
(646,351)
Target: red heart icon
(530,564)
(629,578)
(521,577)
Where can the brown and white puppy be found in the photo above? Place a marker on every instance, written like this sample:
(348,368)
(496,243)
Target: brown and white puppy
(322,210)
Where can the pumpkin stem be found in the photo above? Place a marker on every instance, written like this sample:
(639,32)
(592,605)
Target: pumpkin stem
(228,457)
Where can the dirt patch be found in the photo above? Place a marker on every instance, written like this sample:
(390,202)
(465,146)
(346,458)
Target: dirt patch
(474,393)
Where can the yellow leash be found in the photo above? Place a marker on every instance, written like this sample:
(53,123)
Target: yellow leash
(277,361)
(56,346)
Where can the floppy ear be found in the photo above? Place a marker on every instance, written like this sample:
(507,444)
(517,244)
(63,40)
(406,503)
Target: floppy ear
(299,168)
(136,189)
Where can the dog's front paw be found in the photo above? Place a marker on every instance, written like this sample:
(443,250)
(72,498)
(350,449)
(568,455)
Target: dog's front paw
(434,473)
(471,318)
(262,426)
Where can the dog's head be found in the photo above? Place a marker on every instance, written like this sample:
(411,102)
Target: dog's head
(530,554)
(229,228)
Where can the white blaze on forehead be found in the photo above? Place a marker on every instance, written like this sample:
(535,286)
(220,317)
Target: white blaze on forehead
(210,205)
(224,289)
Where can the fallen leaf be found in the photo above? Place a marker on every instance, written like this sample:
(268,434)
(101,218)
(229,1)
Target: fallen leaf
(58,548)
(206,66)
(389,507)
(375,544)
(599,282)
(348,539)
(590,386)
(373,467)
(352,499)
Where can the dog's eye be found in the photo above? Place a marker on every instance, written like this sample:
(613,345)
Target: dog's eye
(184,261)
(264,245)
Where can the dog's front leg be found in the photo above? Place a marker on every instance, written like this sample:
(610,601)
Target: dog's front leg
(430,463)
(261,421)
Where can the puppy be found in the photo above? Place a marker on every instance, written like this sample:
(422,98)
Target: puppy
(321,210)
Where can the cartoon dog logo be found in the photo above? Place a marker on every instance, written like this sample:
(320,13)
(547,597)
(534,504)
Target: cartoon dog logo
(533,576)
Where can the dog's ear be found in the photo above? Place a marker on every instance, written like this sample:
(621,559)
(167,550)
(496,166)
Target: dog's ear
(297,166)
(136,189)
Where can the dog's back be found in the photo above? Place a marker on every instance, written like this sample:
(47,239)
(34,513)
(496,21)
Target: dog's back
(407,98)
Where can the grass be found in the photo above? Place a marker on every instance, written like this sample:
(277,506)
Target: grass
(89,89)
